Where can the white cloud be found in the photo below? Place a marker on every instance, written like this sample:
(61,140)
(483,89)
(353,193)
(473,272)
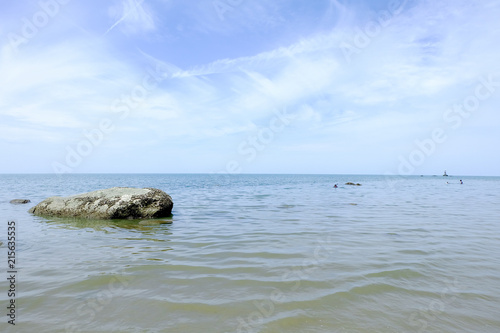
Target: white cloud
(394,89)
(232,92)
(132,16)
(63,86)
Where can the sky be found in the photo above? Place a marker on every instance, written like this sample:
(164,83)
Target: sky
(250,86)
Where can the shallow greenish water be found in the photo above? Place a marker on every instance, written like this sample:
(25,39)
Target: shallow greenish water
(261,253)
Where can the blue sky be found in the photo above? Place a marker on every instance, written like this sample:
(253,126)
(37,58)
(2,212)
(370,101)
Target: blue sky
(240,86)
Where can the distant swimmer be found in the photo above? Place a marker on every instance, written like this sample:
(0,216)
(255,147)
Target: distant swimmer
(461,182)
(335,186)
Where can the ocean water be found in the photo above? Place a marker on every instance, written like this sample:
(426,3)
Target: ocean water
(260,253)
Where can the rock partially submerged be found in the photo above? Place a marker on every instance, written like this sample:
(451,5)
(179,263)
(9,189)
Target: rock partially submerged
(20,201)
(113,203)
(352,184)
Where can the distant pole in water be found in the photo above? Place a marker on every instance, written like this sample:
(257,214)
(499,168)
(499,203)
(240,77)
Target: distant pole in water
(445,175)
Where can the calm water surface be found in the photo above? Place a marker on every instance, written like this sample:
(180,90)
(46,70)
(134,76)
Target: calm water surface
(261,253)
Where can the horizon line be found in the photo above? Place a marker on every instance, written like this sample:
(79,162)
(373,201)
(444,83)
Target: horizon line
(236,174)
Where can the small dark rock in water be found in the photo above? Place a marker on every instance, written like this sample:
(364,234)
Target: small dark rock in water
(113,203)
(357,184)
(19,201)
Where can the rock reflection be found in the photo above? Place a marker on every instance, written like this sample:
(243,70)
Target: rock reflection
(108,225)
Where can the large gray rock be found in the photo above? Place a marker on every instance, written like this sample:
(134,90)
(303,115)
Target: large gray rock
(113,203)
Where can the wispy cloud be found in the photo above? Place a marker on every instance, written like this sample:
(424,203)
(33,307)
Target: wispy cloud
(133,16)
(232,74)
(233,92)
(61,86)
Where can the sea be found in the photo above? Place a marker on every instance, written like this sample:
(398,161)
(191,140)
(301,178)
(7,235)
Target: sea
(257,253)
